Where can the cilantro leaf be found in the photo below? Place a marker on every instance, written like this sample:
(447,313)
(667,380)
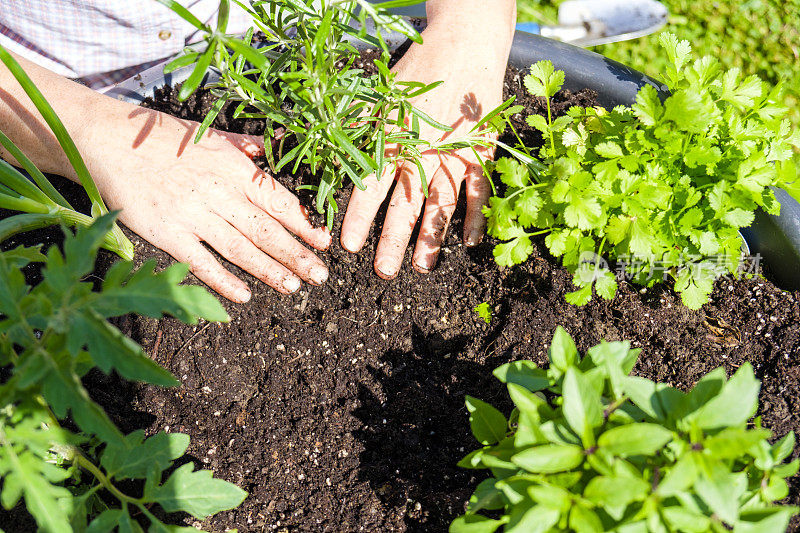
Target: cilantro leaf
(741,95)
(514,251)
(738,217)
(648,108)
(608,149)
(543,79)
(606,285)
(695,282)
(528,204)
(583,213)
(538,122)
(512,172)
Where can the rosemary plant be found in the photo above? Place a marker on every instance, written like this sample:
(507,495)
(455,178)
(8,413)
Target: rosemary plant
(301,79)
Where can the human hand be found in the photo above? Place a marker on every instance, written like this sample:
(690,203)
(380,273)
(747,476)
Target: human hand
(473,71)
(177,195)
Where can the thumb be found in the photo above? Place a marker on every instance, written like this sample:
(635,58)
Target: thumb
(251,145)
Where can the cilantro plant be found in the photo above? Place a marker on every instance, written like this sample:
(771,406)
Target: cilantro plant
(75,477)
(589,448)
(301,81)
(662,187)
(40,204)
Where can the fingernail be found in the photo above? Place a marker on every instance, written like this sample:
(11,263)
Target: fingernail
(474,238)
(386,268)
(325,241)
(350,243)
(242,295)
(425,265)
(318,275)
(291,283)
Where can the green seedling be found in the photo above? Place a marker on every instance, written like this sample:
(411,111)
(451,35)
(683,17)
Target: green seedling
(589,448)
(76,477)
(484,311)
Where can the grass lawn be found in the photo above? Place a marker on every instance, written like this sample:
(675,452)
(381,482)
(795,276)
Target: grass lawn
(758,36)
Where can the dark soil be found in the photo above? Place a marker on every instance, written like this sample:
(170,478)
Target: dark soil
(340,408)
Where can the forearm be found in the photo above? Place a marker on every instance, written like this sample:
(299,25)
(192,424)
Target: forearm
(489,21)
(83,112)
(22,123)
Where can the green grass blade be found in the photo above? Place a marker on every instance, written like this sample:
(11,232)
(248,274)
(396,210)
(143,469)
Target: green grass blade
(422,176)
(40,179)
(350,171)
(380,151)
(493,113)
(247,39)
(360,158)
(57,127)
(7,191)
(288,157)
(392,4)
(322,191)
(429,120)
(248,52)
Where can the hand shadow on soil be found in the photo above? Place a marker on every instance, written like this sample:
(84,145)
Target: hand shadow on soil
(417,428)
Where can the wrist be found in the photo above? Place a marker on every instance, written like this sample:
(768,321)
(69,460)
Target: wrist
(472,27)
(459,45)
(488,21)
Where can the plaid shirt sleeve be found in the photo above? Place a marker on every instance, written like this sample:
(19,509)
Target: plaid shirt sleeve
(102,42)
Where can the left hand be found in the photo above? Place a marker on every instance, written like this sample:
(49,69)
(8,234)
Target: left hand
(473,71)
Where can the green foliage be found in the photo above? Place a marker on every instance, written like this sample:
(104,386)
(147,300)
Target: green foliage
(51,335)
(590,448)
(327,113)
(40,203)
(484,311)
(757,36)
(661,186)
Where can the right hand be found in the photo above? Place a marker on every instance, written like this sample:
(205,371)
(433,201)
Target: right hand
(178,194)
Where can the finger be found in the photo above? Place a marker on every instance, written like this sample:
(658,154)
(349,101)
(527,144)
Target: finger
(283,206)
(401,217)
(439,208)
(268,234)
(251,145)
(478,192)
(363,207)
(203,264)
(234,247)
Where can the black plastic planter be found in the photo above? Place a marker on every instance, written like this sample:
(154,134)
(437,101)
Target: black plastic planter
(775,238)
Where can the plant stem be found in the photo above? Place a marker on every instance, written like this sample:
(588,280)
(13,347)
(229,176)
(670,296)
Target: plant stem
(550,129)
(115,240)
(26,205)
(86,464)
(26,222)
(89,466)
